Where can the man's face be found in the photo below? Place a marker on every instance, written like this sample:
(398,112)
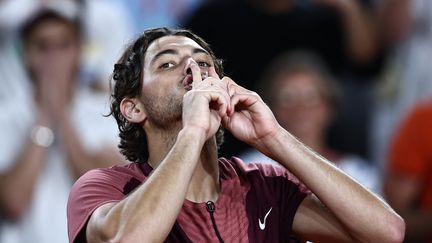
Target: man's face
(52,47)
(167,77)
(300,105)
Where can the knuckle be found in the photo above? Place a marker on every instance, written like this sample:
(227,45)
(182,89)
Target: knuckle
(225,78)
(191,93)
(253,93)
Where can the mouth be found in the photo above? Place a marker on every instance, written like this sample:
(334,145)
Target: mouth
(187,82)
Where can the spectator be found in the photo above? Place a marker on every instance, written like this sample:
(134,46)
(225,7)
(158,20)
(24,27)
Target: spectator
(408,183)
(407,77)
(304,98)
(54,140)
(100,47)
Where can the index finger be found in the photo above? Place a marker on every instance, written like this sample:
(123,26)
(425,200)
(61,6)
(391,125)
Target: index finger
(196,74)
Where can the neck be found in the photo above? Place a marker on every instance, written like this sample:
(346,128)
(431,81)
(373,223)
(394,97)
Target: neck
(160,142)
(204,184)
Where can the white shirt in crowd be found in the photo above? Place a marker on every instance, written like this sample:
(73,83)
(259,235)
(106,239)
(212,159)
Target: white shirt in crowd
(45,220)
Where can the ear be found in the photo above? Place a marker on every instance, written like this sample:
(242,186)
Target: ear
(133,110)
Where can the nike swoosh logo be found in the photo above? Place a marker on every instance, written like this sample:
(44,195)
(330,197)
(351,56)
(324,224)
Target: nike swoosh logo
(262,225)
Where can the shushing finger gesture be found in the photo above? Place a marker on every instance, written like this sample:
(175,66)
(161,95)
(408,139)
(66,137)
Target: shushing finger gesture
(213,101)
(207,103)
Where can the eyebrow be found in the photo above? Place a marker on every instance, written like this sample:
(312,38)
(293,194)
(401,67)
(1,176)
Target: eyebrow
(175,52)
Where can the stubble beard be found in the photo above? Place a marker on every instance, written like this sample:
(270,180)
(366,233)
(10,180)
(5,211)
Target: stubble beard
(164,112)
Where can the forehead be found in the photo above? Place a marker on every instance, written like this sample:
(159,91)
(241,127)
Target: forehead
(170,42)
(296,81)
(51,29)
(300,77)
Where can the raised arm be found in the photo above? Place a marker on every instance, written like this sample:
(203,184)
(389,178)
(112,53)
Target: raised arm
(80,160)
(148,214)
(340,210)
(17,183)
(57,94)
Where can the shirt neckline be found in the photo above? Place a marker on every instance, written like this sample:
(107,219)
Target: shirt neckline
(146,168)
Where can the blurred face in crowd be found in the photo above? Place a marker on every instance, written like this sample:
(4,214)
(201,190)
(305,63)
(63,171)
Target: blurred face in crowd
(300,105)
(52,49)
(167,76)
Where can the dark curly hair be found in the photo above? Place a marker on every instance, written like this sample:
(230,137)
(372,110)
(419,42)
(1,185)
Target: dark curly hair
(126,81)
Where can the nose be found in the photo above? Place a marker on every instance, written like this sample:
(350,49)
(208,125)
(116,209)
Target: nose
(187,69)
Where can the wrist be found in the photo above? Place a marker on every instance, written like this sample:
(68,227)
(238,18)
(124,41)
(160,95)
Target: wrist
(272,138)
(196,133)
(275,146)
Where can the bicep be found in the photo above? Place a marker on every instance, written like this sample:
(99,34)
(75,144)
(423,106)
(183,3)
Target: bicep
(314,222)
(98,229)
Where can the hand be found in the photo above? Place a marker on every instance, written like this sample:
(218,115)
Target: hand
(207,103)
(54,81)
(250,119)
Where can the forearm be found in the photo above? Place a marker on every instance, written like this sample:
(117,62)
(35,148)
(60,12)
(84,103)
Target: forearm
(355,207)
(17,184)
(360,35)
(79,159)
(148,214)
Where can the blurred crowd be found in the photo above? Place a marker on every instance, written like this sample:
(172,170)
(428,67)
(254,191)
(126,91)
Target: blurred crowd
(352,79)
